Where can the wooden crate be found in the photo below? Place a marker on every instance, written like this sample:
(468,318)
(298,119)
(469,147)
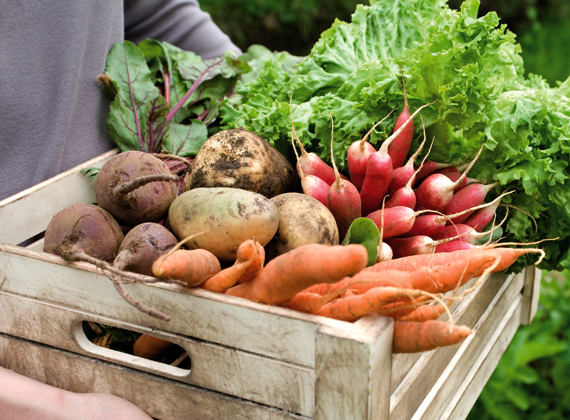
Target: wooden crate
(248,361)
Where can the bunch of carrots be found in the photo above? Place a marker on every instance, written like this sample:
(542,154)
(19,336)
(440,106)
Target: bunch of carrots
(430,217)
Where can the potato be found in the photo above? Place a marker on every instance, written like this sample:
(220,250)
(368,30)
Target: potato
(238,158)
(302,220)
(226,216)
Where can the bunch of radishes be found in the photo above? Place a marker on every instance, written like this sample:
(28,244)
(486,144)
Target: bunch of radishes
(433,207)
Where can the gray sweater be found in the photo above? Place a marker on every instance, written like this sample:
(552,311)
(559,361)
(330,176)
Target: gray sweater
(52,110)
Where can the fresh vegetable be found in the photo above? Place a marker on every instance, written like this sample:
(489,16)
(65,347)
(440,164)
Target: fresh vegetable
(135,187)
(470,196)
(149,346)
(226,216)
(241,159)
(413,337)
(192,267)
(288,274)
(399,148)
(302,220)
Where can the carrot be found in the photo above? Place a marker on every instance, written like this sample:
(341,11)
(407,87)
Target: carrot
(426,313)
(222,281)
(413,337)
(351,308)
(255,266)
(148,346)
(292,272)
(192,267)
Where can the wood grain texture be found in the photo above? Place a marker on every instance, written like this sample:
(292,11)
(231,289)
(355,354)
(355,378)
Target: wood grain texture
(233,372)
(351,371)
(160,397)
(531,294)
(37,205)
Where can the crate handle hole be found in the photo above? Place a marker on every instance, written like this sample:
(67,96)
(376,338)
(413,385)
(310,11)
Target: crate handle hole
(118,343)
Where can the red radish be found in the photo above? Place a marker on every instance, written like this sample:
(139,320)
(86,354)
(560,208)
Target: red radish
(395,221)
(471,196)
(431,167)
(468,234)
(312,185)
(454,176)
(482,217)
(456,245)
(436,191)
(357,157)
(415,245)
(406,196)
(379,172)
(384,251)
(400,146)
(343,199)
(310,164)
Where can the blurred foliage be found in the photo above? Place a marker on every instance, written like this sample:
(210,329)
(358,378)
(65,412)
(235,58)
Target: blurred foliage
(532,379)
(294,26)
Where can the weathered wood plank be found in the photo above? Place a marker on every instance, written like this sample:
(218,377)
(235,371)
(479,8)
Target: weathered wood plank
(421,378)
(531,294)
(266,330)
(161,398)
(459,366)
(353,371)
(28,213)
(465,396)
(233,372)
(475,304)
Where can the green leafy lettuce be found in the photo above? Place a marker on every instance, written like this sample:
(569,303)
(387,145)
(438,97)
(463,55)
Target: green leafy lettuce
(470,64)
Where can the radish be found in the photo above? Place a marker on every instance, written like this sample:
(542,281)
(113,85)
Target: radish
(135,187)
(310,163)
(454,176)
(431,167)
(436,191)
(312,185)
(379,172)
(468,234)
(384,251)
(400,146)
(343,199)
(394,221)
(402,175)
(415,245)
(468,197)
(357,156)
(456,245)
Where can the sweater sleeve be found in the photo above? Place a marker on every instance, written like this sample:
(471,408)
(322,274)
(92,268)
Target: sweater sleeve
(179,22)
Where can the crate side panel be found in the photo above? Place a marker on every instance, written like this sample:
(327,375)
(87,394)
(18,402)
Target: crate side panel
(467,312)
(28,213)
(269,331)
(159,397)
(245,375)
(459,367)
(425,373)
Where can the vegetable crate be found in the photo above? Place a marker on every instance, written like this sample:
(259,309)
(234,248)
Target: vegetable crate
(248,360)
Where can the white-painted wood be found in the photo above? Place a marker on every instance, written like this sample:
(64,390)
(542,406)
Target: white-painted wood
(531,294)
(218,368)
(28,213)
(466,395)
(351,369)
(160,397)
(469,351)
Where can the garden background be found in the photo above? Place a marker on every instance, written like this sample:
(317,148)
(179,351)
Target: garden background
(533,377)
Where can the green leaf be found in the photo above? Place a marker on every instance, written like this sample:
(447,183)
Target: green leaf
(185,140)
(364,231)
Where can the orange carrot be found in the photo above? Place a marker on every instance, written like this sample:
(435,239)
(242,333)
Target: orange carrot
(306,302)
(426,313)
(149,347)
(289,273)
(351,308)
(191,267)
(413,337)
(255,266)
(222,281)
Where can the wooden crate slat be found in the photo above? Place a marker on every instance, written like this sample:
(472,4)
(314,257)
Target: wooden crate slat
(458,368)
(271,331)
(412,391)
(259,379)
(161,398)
(28,213)
(466,395)
(350,370)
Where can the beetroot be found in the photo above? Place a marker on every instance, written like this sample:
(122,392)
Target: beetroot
(142,245)
(135,187)
(84,227)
